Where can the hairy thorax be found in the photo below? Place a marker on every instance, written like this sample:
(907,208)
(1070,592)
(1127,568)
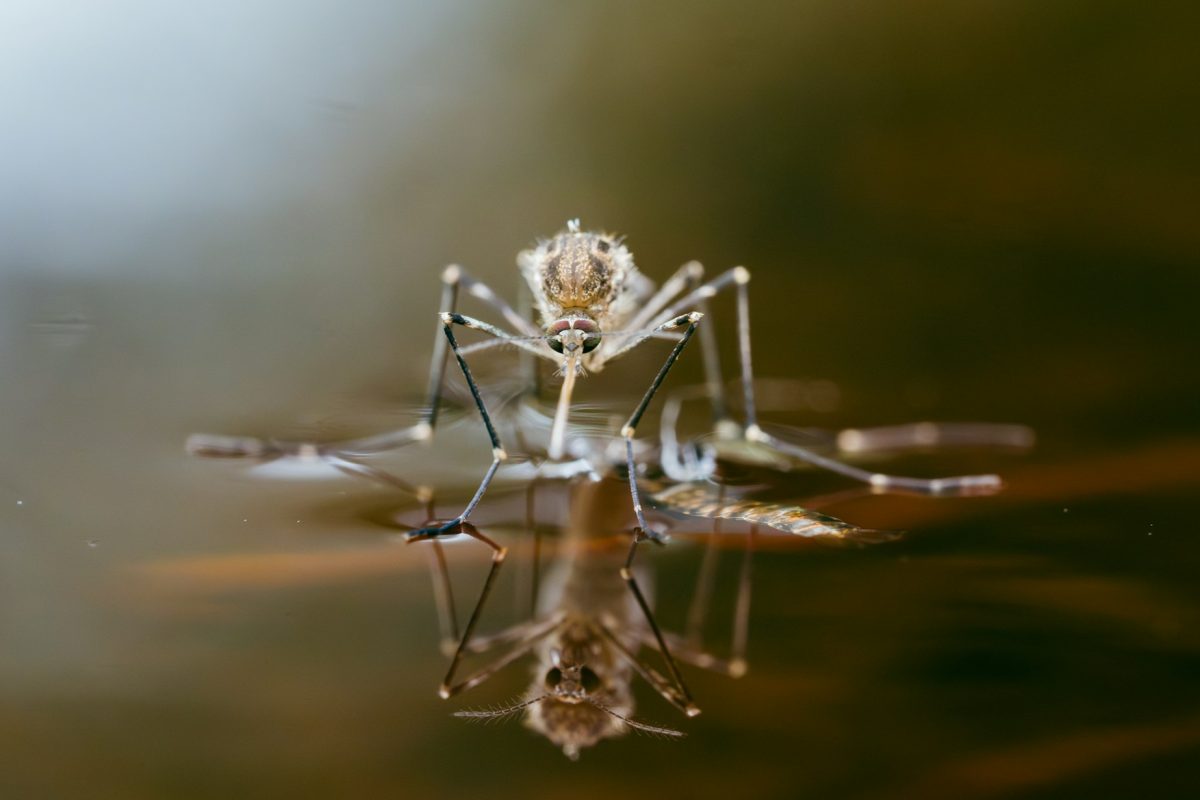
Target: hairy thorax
(577,276)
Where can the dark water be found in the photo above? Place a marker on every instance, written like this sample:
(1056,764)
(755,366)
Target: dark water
(234,220)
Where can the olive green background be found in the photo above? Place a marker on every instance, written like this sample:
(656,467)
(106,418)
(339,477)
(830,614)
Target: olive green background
(233,219)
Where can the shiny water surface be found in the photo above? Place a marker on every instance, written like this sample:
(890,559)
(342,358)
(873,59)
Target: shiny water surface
(234,220)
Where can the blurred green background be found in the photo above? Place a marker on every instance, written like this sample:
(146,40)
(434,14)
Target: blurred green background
(233,218)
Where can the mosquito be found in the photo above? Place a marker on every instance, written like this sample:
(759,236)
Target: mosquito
(593,306)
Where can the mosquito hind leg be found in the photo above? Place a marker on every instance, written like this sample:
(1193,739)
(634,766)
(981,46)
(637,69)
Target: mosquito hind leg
(739,277)
(220,446)
(882,483)
(920,435)
(454,278)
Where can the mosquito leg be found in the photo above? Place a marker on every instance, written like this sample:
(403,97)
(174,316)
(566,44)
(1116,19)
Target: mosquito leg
(684,279)
(437,363)
(639,328)
(879,482)
(443,595)
(627,432)
(536,561)
(534,633)
(498,555)
(485,293)
(670,693)
(453,277)
(530,567)
(933,434)
(689,647)
(702,596)
(514,633)
(452,640)
(355,468)
(210,445)
(529,365)
(498,454)
(741,616)
(737,277)
(714,385)
(688,705)
(690,320)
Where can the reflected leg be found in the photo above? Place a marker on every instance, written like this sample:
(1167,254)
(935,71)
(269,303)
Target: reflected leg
(520,637)
(689,647)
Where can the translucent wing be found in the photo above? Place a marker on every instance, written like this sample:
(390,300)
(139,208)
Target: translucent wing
(705,500)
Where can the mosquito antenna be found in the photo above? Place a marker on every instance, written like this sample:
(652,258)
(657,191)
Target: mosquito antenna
(654,730)
(499,712)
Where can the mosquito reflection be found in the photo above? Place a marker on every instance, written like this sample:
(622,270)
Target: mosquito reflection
(587,631)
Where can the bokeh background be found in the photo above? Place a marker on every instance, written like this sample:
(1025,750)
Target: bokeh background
(232,216)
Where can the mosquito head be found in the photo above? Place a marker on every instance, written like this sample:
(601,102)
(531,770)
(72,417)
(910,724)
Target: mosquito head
(573,714)
(574,705)
(570,682)
(575,334)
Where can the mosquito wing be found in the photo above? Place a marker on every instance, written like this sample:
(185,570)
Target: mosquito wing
(705,500)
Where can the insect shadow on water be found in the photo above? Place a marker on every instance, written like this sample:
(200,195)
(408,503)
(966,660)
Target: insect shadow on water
(592,306)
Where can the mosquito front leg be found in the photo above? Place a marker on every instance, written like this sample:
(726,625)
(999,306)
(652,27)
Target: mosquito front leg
(498,453)
(630,428)
(642,530)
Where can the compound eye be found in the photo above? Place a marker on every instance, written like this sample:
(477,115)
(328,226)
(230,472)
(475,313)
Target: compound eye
(556,344)
(553,678)
(589,679)
(591,342)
